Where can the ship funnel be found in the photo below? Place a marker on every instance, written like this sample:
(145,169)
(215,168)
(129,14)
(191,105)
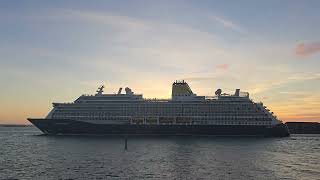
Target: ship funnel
(237,93)
(181,88)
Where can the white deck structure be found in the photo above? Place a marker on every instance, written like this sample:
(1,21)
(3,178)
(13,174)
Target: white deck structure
(184,107)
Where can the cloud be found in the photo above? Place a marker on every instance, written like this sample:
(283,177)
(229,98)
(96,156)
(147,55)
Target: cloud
(299,107)
(272,84)
(223,66)
(302,118)
(219,71)
(292,93)
(304,76)
(104,18)
(227,23)
(307,49)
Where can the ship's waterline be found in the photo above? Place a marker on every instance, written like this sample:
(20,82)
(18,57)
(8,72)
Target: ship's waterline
(184,114)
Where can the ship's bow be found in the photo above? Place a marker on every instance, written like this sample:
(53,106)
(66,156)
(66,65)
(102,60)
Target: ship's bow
(42,124)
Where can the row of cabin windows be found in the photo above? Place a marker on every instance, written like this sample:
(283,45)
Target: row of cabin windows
(229,115)
(126,120)
(216,115)
(215,118)
(166,110)
(206,108)
(135,106)
(177,113)
(206,123)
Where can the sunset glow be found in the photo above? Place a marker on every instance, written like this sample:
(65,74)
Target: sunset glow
(54,51)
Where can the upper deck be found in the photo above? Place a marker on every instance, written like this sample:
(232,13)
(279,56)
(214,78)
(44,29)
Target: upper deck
(181,92)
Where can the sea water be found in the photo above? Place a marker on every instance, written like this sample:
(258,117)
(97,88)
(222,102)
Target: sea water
(27,154)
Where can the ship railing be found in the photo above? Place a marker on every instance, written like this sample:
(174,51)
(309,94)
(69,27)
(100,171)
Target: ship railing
(243,94)
(156,99)
(211,97)
(87,95)
(55,104)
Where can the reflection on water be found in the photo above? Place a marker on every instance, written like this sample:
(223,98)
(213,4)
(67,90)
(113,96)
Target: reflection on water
(24,154)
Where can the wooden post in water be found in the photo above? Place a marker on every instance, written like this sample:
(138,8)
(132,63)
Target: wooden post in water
(126,142)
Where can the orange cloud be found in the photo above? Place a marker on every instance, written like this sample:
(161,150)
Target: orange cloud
(308,49)
(223,66)
(312,117)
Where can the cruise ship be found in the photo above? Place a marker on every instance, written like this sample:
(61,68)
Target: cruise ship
(185,113)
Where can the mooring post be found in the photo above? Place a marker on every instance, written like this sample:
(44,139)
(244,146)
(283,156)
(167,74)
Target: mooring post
(125,142)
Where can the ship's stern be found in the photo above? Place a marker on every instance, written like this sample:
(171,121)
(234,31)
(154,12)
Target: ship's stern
(280,130)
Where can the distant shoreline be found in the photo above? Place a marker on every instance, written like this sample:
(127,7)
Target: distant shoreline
(303,127)
(15,125)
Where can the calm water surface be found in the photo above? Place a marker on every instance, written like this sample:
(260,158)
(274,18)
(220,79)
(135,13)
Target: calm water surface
(25,154)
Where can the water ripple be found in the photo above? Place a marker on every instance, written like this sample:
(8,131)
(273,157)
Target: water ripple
(24,154)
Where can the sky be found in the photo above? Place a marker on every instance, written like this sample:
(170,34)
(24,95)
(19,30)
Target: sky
(54,51)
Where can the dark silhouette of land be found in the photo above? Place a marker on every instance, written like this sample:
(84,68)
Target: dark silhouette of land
(303,127)
(15,125)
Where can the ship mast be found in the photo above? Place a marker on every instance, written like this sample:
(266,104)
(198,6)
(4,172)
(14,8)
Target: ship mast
(100,90)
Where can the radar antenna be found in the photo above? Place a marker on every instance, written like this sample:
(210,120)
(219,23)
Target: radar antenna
(100,90)
(218,92)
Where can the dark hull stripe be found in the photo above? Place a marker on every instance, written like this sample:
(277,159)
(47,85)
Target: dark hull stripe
(64,126)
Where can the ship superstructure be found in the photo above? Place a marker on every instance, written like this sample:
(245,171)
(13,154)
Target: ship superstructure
(184,113)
